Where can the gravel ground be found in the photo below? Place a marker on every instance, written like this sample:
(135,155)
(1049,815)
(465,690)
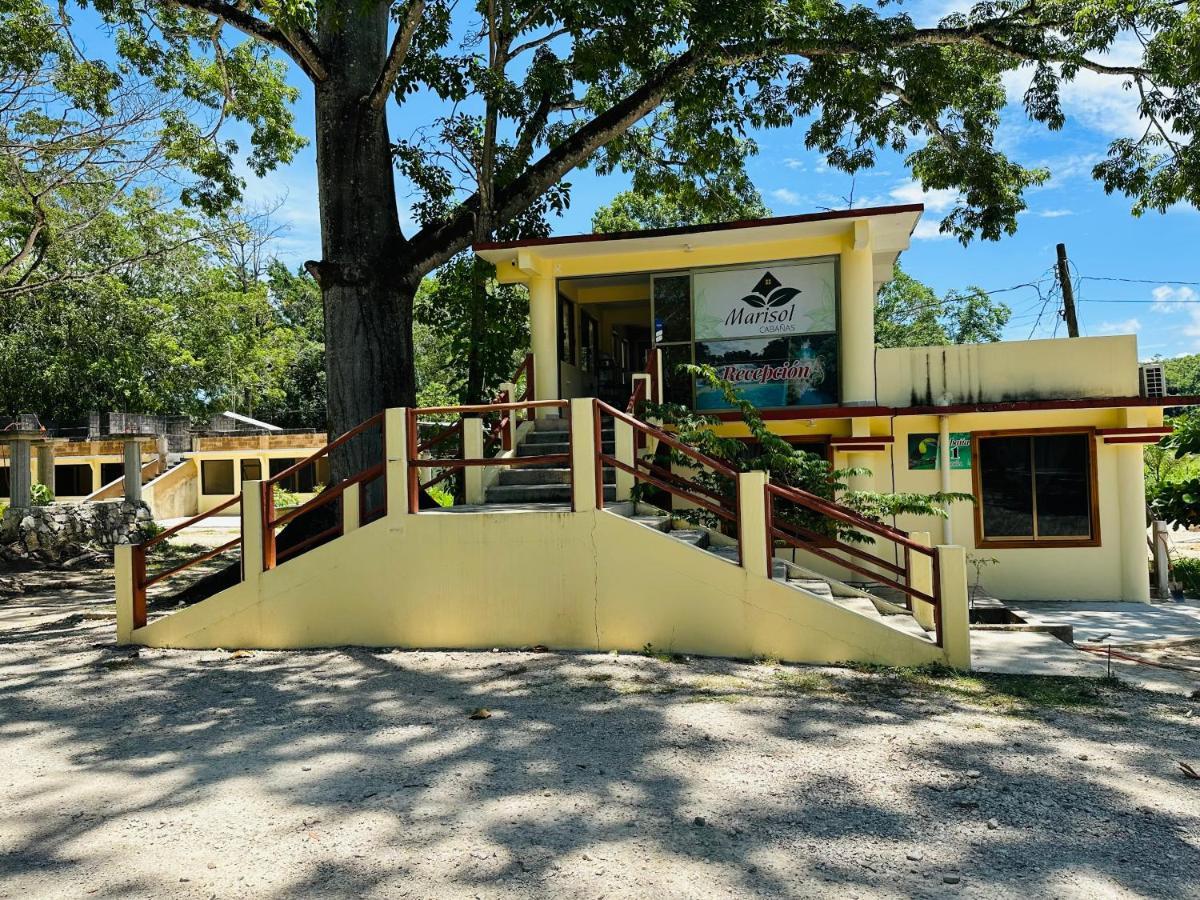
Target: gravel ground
(351,773)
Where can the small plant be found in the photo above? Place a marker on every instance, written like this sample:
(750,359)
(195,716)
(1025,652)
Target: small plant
(150,529)
(285,499)
(441,496)
(978,564)
(40,495)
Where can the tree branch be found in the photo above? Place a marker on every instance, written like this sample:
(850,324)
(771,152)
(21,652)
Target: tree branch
(396,56)
(295,43)
(433,245)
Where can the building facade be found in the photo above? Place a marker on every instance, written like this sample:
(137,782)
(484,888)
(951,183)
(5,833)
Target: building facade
(1046,435)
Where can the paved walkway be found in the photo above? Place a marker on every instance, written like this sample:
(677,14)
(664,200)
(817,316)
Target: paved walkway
(211,532)
(1117,623)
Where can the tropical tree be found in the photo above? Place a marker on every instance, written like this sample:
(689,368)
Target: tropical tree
(531,90)
(909,314)
(729,197)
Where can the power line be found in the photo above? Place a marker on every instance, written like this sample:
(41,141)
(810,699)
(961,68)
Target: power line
(1137,280)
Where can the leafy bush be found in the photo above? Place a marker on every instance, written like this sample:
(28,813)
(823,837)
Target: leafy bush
(786,464)
(1186,570)
(40,495)
(1176,502)
(441,496)
(285,499)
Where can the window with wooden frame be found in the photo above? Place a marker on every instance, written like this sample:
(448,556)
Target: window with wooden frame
(1036,489)
(566,330)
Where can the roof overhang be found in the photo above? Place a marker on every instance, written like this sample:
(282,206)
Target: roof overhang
(886,230)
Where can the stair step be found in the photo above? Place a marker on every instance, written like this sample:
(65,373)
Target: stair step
(537,493)
(547,474)
(545,449)
(694,536)
(559,437)
(658,523)
(816,586)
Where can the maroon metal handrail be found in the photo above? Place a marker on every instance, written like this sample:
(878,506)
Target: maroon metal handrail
(700,495)
(142,583)
(415,462)
(271,557)
(862,562)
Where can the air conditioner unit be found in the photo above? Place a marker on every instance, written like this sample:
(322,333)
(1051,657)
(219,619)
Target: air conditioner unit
(1152,379)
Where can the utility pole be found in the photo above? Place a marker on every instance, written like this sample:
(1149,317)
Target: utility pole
(1068,295)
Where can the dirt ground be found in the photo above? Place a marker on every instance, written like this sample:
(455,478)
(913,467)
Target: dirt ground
(361,773)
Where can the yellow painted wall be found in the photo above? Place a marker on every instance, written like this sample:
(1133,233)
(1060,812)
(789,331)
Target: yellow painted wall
(174,494)
(585,580)
(1010,370)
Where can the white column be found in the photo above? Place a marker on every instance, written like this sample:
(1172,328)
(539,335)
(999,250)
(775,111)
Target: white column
(753,544)
(252,532)
(944,472)
(133,471)
(857,323)
(922,580)
(123,576)
(583,454)
(395,440)
(45,466)
(351,507)
(473,449)
(543,337)
(1131,494)
(956,619)
(624,451)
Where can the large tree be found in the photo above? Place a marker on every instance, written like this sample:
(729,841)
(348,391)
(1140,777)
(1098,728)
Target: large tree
(529,90)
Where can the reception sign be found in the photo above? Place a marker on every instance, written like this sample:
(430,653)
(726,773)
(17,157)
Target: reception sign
(773,372)
(923,450)
(764,301)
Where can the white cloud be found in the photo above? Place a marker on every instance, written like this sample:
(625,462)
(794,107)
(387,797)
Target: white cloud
(792,162)
(927,230)
(1168,298)
(785,196)
(1128,326)
(936,201)
(1056,213)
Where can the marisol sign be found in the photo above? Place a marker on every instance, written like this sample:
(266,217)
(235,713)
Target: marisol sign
(770,331)
(783,299)
(771,372)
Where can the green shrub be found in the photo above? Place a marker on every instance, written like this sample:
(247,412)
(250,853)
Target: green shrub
(285,499)
(1186,571)
(441,496)
(40,495)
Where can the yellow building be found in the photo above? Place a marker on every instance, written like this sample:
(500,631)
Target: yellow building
(1046,435)
(549,549)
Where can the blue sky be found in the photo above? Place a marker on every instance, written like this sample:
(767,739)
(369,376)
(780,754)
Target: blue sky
(1157,252)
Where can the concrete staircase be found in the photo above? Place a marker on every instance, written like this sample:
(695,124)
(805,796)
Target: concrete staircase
(548,483)
(872,600)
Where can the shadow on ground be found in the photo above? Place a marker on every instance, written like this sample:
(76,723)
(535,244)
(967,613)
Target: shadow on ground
(347,773)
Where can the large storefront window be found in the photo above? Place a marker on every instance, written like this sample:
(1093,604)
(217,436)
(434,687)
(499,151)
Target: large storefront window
(1036,489)
(770,330)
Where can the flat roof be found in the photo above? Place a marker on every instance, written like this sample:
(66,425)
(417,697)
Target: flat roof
(678,231)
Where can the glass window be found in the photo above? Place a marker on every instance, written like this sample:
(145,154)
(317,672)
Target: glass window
(589,347)
(1036,487)
(677,385)
(251,470)
(566,330)
(306,479)
(672,309)
(216,476)
(75,480)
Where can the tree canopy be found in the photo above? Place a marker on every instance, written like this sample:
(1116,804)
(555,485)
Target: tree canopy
(909,314)
(527,91)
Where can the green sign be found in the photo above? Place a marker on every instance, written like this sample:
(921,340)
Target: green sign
(923,450)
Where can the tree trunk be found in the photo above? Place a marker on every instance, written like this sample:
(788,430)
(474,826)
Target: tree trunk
(366,285)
